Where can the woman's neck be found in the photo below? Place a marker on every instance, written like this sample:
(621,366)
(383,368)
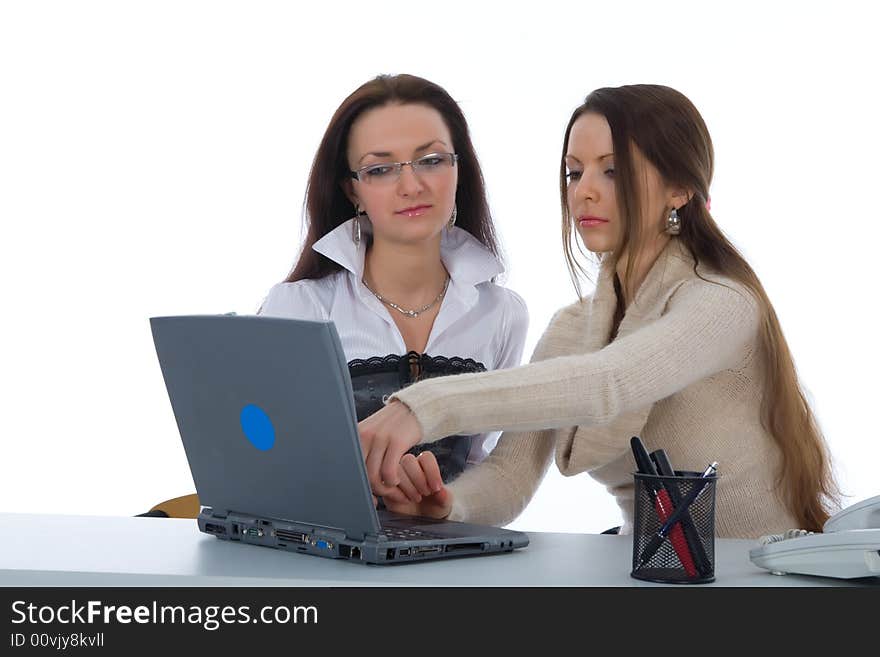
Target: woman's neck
(408,274)
(644,260)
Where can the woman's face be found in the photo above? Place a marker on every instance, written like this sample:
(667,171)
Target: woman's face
(592,203)
(415,206)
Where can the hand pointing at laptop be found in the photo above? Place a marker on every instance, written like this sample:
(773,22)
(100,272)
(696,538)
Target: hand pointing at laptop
(408,484)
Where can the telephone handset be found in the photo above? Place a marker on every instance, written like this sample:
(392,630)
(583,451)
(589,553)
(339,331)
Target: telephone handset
(847,547)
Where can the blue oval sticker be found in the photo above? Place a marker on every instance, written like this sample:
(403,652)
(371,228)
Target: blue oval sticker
(257,427)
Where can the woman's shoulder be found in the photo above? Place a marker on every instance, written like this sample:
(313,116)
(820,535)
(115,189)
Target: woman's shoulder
(565,331)
(698,282)
(708,299)
(308,298)
(506,309)
(572,314)
(505,298)
(707,288)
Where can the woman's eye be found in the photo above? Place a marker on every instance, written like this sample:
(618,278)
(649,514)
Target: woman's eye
(574,175)
(432,161)
(378,171)
(609,172)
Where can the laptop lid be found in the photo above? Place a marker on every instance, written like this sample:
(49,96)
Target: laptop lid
(266,415)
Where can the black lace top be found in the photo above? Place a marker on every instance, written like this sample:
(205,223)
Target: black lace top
(374,379)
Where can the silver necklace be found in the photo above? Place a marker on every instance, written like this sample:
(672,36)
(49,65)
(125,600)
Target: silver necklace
(408,313)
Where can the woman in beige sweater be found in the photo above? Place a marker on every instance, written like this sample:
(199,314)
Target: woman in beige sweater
(678,344)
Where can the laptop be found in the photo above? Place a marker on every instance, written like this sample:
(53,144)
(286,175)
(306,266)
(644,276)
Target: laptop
(266,413)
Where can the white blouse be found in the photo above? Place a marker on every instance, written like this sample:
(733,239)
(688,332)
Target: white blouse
(477,318)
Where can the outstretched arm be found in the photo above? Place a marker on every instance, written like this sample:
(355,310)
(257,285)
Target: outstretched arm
(705,330)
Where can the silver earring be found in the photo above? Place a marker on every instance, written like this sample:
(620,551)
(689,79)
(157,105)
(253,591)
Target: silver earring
(453,217)
(356,226)
(673,223)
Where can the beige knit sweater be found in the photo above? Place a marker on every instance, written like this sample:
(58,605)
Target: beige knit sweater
(683,373)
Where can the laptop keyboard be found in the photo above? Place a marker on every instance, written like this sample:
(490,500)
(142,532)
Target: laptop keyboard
(404,534)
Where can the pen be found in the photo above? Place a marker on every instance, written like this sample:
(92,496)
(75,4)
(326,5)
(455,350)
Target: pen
(665,469)
(640,454)
(663,505)
(673,519)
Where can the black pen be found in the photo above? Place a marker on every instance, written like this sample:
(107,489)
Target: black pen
(661,534)
(643,461)
(663,504)
(665,469)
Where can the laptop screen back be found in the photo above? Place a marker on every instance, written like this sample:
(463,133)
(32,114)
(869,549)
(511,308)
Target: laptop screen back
(266,415)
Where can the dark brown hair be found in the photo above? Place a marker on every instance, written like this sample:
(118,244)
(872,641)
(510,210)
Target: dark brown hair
(669,131)
(327,206)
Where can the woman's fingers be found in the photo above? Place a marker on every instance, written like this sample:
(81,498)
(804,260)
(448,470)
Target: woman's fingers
(408,487)
(395,497)
(369,431)
(373,462)
(402,432)
(431,471)
(412,468)
(385,437)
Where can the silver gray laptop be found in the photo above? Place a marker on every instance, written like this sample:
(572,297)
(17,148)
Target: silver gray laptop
(266,414)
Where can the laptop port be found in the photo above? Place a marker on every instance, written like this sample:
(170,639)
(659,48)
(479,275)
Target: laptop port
(212,528)
(389,554)
(427,549)
(291,537)
(403,552)
(465,547)
(349,552)
(253,531)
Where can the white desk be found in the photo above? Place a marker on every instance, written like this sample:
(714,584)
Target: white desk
(54,550)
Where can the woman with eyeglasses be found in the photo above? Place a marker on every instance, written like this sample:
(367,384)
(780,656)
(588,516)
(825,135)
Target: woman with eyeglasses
(401,254)
(678,344)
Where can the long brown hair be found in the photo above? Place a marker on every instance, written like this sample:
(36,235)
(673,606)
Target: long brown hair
(669,131)
(327,206)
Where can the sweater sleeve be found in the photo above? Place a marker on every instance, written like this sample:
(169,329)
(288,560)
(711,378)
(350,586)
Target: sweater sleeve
(496,491)
(705,330)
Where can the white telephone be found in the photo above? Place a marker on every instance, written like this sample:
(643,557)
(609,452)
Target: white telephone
(848,547)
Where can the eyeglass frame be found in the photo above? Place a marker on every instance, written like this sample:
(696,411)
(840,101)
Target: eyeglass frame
(398,166)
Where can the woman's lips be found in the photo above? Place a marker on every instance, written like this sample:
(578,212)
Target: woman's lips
(590,221)
(414,211)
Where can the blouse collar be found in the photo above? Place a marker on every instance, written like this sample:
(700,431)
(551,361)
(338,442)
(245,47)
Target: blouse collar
(468,262)
(465,258)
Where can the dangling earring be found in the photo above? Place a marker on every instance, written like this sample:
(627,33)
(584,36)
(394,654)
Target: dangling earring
(356,226)
(453,217)
(673,223)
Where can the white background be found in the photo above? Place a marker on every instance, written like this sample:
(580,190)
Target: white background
(153,160)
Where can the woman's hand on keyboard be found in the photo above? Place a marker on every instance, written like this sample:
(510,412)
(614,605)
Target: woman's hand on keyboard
(385,437)
(421,491)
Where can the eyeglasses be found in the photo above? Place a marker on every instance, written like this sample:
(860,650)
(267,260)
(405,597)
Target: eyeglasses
(387,173)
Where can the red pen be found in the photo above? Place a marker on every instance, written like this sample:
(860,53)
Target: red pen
(676,534)
(673,521)
(663,505)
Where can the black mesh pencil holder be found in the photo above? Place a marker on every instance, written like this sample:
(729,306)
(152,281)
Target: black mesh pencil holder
(674,547)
